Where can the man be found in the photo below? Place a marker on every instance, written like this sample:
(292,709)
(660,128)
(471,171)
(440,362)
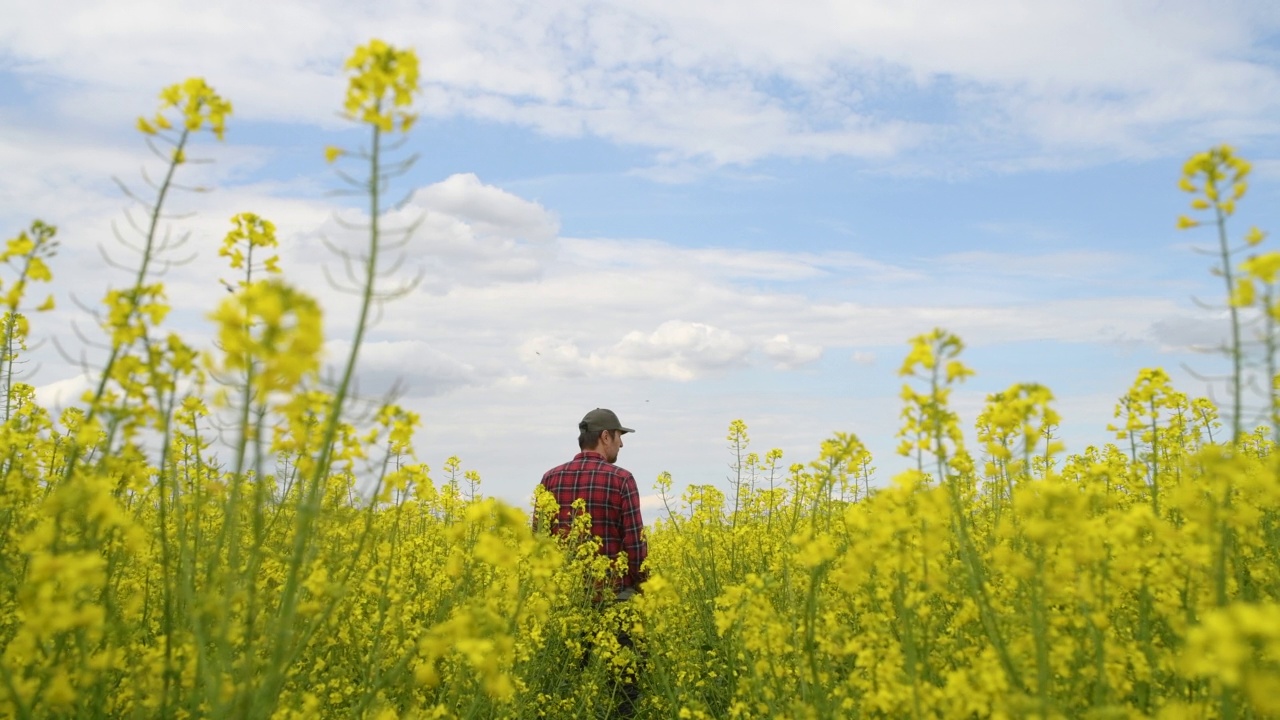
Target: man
(613,502)
(609,492)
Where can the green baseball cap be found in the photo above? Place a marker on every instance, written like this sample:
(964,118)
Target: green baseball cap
(601,419)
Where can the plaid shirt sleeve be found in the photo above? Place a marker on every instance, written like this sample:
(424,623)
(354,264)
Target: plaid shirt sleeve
(633,539)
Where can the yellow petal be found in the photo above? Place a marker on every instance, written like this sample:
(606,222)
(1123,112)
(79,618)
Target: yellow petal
(1244,293)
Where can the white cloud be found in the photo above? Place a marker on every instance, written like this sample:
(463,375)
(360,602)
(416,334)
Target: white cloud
(1208,331)
(862,357)
(415,367)
(732,263)
(710,346)
(458,231)
(994,80)
(503,296)
(675,350)
(488,211)
(63,393)
(515,330)
(652,506)
(627,324)
(787,354)
(1071,265)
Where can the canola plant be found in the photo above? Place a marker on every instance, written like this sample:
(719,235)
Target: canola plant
(147,571)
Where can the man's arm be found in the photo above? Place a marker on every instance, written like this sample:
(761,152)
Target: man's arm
(633,540)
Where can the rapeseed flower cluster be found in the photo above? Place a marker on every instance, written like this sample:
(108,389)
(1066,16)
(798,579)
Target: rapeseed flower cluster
(1136,581)
(317,568)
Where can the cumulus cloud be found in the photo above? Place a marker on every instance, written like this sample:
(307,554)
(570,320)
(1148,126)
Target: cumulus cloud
(502,296)
(712,346)
(415,367)
(459,231)
(489,212)
(675,350)
(787,354)
(629,323)
(63,393)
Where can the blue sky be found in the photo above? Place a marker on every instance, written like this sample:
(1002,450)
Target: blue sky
(687,212)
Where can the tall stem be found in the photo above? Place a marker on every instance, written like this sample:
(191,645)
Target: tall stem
(311,494)
(144,268)
(1237,361)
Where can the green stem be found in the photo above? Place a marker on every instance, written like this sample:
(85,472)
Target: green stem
(1237,359)
(311,495)
(144,268)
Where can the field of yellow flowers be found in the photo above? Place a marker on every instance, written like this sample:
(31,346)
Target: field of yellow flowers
(317,570)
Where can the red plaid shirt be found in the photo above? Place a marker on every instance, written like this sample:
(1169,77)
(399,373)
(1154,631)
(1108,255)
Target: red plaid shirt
(613,502)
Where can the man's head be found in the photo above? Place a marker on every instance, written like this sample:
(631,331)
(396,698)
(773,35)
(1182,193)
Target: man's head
(601,431)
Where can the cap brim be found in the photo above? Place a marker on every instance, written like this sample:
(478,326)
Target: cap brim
(626,430)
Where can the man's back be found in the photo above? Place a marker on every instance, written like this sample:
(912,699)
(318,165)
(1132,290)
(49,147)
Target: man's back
(608,491)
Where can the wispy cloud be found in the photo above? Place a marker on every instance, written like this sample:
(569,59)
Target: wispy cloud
(718,83)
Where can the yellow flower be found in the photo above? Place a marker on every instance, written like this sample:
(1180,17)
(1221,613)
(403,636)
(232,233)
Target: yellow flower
(383,81)
(957,370)
(273,328)
(38,271)
(199,105)
(249,231)
(1263,267)
(1244,293)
